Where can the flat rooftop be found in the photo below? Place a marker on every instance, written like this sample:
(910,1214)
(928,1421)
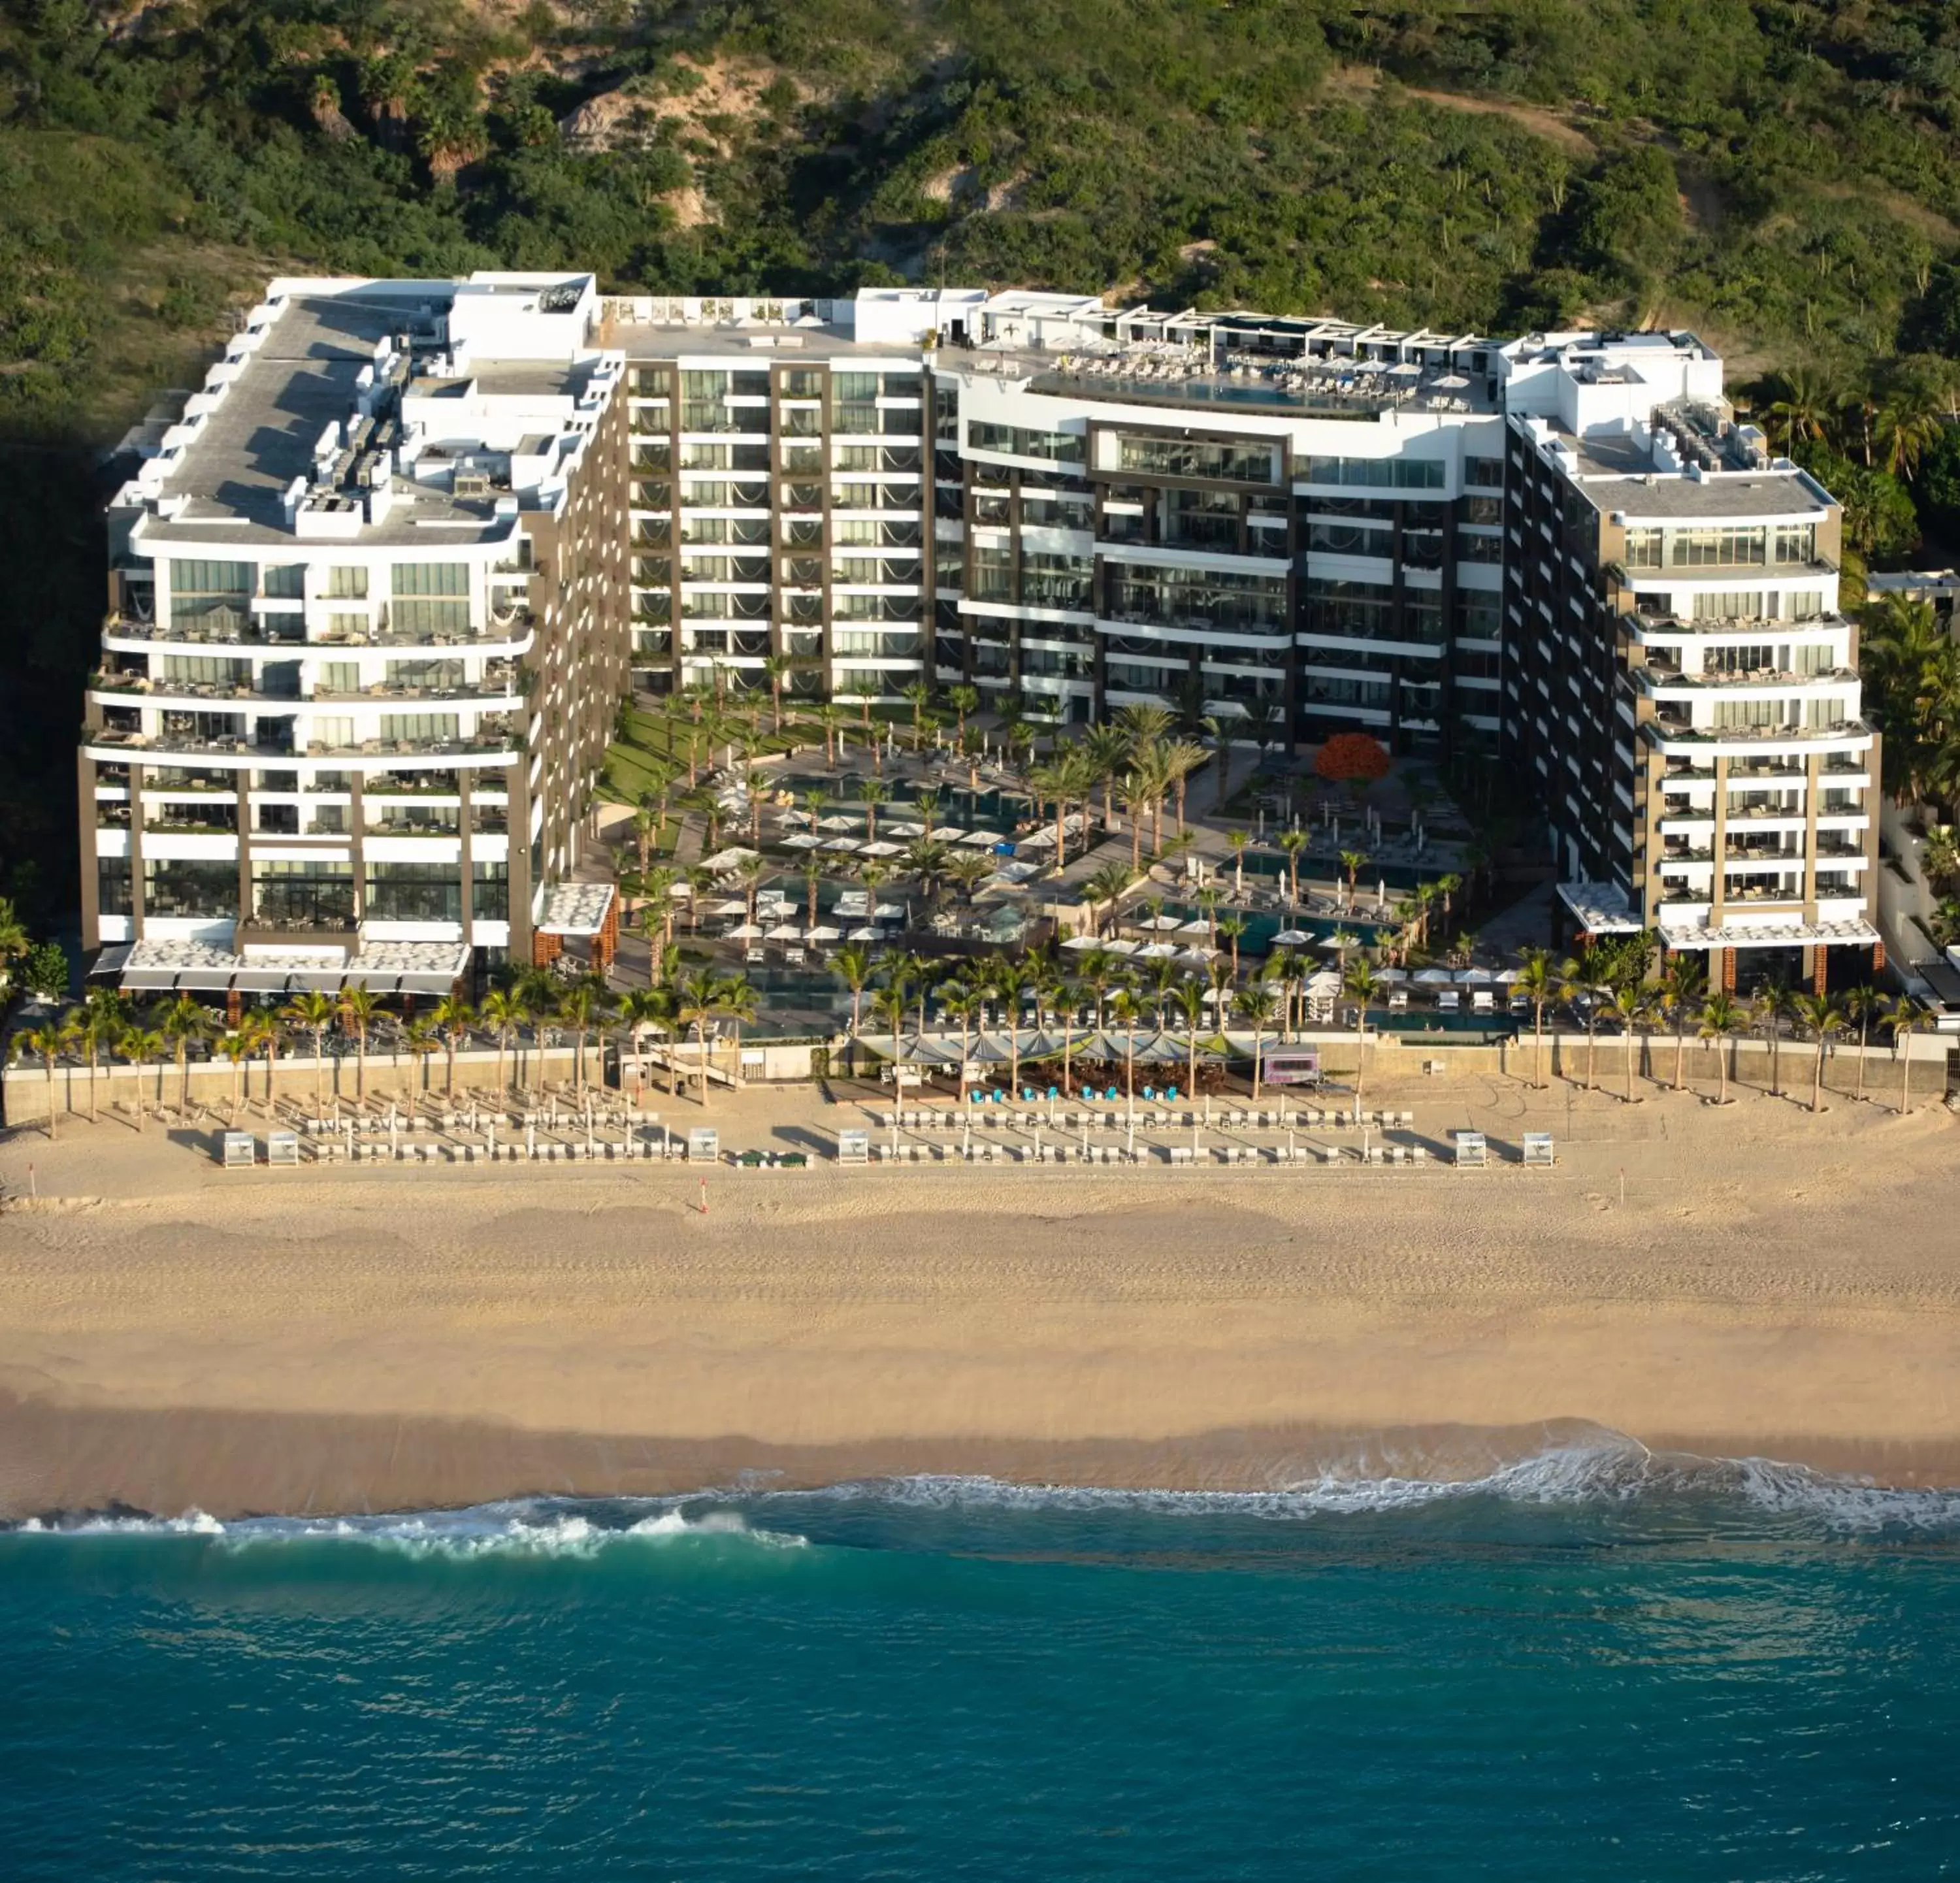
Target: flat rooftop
(263,433)
(1671,496)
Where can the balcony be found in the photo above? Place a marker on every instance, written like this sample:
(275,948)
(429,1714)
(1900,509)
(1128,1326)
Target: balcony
(491,736)
(322,934)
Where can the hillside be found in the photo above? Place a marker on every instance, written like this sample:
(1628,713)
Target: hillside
(1785,176)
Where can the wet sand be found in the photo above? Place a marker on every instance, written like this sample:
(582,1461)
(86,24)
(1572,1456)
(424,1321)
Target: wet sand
(173,1337)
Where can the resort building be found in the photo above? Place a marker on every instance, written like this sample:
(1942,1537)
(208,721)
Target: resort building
(377,589)
(366,638)
(1676,674)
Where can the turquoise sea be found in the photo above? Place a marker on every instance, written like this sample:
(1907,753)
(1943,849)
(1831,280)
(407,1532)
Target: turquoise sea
(1592,1666)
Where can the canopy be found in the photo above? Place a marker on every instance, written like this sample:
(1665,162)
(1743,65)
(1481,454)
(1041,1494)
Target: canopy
(1196,928)
(785,931)
(1291,938)
(838,821)
(947,834)
(801,839)
(983,837)
(1082,944)
(732,858)
(880,848)
(1322,982)
(843,843)
(745,931)
(905,830)
(1157,951)
(734,906)
(1434,978)
(824,932)
(1509,977)
(1476,978)
(889,912)
(1121,947)
(1392,975)
(1341,939)
(864,932)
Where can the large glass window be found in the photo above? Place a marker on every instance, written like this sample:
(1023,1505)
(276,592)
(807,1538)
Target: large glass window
(1061,447)
(190,886)
(490,892)
(1224,462)
(414,892)
(307,893)
(1230,603)
(431,578)
(1392,473)
(347,584)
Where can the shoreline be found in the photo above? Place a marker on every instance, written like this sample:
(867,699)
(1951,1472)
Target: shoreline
(1767,1285)
(352,1465)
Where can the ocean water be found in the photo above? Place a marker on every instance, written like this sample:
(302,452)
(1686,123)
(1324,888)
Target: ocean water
(1592,1666)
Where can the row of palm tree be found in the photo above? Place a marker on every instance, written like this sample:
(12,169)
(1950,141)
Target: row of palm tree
(1682,1000)
(106,1027)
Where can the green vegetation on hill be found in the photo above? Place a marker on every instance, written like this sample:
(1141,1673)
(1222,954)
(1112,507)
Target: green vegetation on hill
(1782,175)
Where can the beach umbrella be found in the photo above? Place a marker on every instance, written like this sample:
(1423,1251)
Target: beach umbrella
(863,932)
(746,931)
(981,837)
(1392,974)
(843,843)
(1195,957)
(838,822)
(1434,978)
(1508,977)
(824,932)
(1291,938)
(732,858)
(906,830)
(1323,981)
(1452,382)
(947,834)
(1405,369)
(734,906)
(784,931)
(801,839)
(1156,951)
(795,817)
(1195,928)
(889,912)
(880,848)
(1121,947)
(1081,944)
(1476,978)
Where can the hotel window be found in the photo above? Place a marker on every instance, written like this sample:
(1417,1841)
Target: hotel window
(1060,447)
(431,598)
(339,676)
(1730,604)
(419,725)
(1487,472)
(303,893)
(414,892)
(346,585)
(1644,549)
(1718,546)
(1793,542)
(189,886)
(1384,473)
(490,892)
(111,885)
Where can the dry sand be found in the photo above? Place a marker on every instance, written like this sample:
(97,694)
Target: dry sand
(173,1335)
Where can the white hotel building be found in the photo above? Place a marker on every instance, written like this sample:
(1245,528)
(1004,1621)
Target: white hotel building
(419,531)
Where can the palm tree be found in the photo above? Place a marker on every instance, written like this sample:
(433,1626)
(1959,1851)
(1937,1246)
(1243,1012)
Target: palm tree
(455,1016)
(888,1004)
(1292,842)
(1010,980)
(1628,1005)
(1238,842)
(583,1005)
(1682,986)
(1361,986)
(314,1011)
(1538,981)
(238,1049)
(1106,749)
(1352,861)
(261,1033)
(874,793)
(776,670)
(104,1015)
(1773,1000)
(359,1008)
(1904,1015)
(1181,759)
(1586,978)
(1722,1020)
(183,1021)
(1106,886)
(736,999)
(15,940)
(919,694)
(140,1045)
(964,700)
(1254,1007)
(49,1040)
(1233,928)
(503,1014)
(644,1010)
(1824,1018)
(1862,1005)
(418,1036)
(697,1002)
(1188,998)
(1126,1010)
(854,962)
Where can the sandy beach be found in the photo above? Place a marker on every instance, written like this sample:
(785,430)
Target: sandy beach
(1751,1281)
